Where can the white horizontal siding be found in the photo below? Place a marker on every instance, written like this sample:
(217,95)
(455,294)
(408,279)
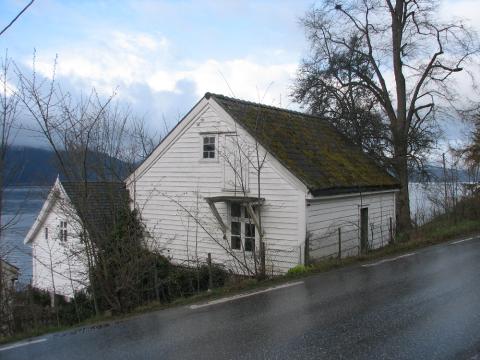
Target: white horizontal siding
(55,267)
(326,216)
(169,189)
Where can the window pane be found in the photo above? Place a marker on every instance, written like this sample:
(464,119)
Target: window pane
(205,154)
(249,237)
(236,243)
(211,154)
(249,244)
(245,211)
(249,230)
(209,147)
(235,228)
(235,210)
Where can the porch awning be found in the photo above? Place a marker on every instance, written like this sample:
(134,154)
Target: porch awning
(248,202)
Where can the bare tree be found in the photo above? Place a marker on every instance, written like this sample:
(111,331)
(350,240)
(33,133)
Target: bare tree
(470,153)
(362,44)
(353,111)
(8,119)
(94,138)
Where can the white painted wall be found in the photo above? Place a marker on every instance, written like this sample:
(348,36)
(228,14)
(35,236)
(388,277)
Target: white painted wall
(325,215)
(54,257)
(168,188)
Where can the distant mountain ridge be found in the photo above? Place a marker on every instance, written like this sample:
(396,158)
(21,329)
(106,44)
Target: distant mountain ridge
(436,174)
(31,166)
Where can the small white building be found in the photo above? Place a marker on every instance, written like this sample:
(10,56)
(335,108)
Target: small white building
(232,170)
(9,275)
(72,210)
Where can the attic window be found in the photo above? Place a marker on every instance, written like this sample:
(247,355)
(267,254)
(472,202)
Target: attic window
(209,147)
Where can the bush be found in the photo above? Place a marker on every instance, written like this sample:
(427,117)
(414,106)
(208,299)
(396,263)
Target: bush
(299,269)
(32,310)
(183,281)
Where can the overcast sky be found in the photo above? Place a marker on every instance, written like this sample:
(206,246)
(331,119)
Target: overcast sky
(162,56)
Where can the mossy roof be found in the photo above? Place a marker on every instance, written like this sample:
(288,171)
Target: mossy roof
(312,149)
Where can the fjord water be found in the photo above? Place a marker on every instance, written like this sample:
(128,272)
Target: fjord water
(21,206)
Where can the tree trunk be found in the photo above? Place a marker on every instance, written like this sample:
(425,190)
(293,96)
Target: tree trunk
(403,220)
(400,124)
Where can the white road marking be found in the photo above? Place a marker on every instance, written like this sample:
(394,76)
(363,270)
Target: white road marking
(461,241)
(388,260)
(241,296)
(25,343)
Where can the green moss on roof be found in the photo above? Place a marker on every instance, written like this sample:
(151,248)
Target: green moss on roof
(308,146)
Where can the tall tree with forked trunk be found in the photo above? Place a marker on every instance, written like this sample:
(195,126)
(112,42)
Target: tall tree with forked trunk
(398,53)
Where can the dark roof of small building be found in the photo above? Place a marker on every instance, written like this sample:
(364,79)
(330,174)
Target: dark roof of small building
(97,204)
(5,262)
(311,148)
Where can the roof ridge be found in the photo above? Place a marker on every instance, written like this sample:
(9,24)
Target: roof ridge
(248,102)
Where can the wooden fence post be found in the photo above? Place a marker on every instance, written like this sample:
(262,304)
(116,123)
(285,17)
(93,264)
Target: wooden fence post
(262,260)
(339,243)
(210,277)
(307,251)
(155,280)
(390,229)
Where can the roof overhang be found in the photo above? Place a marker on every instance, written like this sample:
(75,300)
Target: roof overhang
(353,190)
(5,262)
(246,201)
(236,199)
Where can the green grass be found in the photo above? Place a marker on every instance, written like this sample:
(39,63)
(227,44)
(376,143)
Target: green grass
(440,230)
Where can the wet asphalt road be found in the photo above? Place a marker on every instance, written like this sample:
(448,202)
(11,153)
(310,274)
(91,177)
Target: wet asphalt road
(423,306)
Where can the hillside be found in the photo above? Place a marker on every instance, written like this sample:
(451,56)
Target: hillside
(29,166)
(435,174)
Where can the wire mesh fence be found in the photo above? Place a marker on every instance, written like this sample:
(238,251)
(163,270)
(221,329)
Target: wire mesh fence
(346,240)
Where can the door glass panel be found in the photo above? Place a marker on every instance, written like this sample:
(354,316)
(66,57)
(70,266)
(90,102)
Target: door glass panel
(249,237)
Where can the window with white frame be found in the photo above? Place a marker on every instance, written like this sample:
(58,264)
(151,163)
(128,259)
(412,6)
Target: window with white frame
(242,228)
(63,231)
(208,146)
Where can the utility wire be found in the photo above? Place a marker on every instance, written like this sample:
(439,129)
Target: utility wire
(16,17)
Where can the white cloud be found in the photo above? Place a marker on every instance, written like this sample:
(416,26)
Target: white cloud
(10,88)
(462,9)
(121,60)
(245,78)
(128,59)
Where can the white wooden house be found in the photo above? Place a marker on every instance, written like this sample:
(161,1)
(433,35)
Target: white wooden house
(71,210)
(231,168)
